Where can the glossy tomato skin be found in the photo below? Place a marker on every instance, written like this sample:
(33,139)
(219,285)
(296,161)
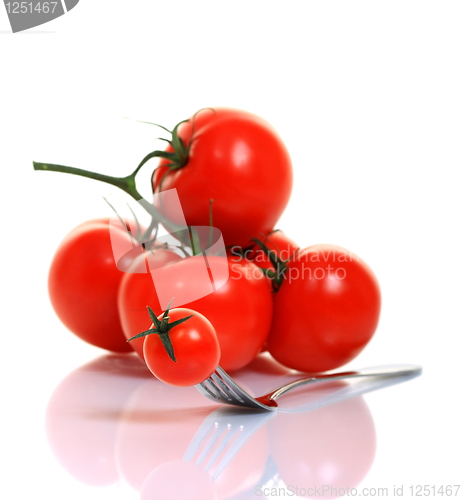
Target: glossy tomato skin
(326,310)
(238,160)
(83,282)
(195,346)
(240,310)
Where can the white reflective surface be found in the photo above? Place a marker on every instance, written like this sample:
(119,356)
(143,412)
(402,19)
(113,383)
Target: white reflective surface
(109,423)
(366,95)
(108,429)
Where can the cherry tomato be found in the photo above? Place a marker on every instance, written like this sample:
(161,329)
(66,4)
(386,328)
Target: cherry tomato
(238,160)
(83,282)
(326,310)
(196,351)
(240,310)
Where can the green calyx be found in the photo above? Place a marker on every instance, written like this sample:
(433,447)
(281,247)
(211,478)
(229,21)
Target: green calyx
(162,328)
(176,159)
(280,266)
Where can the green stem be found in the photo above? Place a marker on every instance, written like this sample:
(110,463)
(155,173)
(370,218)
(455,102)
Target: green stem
(195,241)
(126,184)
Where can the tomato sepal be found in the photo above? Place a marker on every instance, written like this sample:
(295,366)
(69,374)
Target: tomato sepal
(162,329)
(279,265)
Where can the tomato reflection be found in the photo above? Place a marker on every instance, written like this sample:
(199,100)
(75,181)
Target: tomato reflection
(157,426)
(333,445)
(177,480)
(82,415)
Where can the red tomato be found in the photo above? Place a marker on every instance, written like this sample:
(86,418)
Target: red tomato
(240,310)
(196,351)
(83,282)
(326,310)
(238,160)
(136,292)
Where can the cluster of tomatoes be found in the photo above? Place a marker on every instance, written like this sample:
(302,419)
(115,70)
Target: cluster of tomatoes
(313,309)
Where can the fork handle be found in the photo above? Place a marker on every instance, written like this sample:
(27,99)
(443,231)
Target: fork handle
(377,371)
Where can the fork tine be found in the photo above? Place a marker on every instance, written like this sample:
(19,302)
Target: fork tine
(203,386)
(222,388)
(218,378)
(229,381)
(216,387)
(212,388)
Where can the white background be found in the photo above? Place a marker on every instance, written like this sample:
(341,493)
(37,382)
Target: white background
(367,97)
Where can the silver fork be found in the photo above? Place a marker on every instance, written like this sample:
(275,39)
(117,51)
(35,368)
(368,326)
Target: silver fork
(221,388)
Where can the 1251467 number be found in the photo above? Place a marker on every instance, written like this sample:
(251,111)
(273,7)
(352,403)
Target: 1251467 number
(434,491)
(30,7)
